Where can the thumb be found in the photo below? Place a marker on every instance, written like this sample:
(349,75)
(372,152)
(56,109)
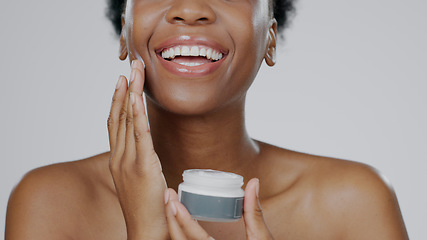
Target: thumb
(252,213)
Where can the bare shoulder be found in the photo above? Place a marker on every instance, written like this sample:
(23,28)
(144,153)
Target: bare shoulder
(359,198)
(49,198)
(351,199)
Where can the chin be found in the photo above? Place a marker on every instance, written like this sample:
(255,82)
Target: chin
(184,104)
(185,96)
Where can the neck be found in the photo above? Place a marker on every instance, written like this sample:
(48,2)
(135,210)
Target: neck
(213,141)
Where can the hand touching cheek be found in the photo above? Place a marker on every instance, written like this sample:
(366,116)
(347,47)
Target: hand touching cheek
(134,165)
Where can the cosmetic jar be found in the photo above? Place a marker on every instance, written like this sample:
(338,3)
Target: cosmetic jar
(211,195)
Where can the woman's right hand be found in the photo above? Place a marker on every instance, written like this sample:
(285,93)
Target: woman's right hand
(134,165)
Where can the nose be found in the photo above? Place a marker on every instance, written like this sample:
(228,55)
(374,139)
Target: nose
(190,12)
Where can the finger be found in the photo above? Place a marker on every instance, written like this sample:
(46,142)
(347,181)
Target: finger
(173,196)
(137,77)
(121,131)
(175,230)
(252,213)
(145,153)
(189,227)
(113,123)
(135,87)
(129,154)
(116,104)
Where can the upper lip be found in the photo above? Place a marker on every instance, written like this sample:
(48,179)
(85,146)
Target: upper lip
(185,40)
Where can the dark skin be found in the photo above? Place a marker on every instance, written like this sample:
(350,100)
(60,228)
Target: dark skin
(198,122)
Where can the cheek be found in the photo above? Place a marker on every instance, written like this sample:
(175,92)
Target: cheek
(144,15)
(247,24)
(248,32)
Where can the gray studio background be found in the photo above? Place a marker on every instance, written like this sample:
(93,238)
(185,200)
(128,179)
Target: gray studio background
(350,83)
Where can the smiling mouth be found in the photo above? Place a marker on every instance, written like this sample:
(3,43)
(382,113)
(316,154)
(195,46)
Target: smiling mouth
(191,56)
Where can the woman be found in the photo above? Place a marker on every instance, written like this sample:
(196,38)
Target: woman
(196,115)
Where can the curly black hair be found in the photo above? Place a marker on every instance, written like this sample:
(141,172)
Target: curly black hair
(282,11)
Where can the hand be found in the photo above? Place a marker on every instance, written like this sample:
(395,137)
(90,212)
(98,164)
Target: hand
(182,226)
(134,165)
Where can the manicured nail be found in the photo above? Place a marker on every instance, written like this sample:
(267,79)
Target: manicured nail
(132,98)
(133,75)
(172,208)
(119,82)
(166,196)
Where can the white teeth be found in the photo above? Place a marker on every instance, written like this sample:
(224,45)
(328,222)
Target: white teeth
(185,51)
(194,51)
(214,55)
(177,51)
(209,53)
(171,53)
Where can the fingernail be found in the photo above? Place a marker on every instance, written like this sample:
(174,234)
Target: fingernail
(132,98)
(257,188)
(119,82)
(166,196)
(143,63)
(133,65)
(133,75)
(172,208)
(211,238)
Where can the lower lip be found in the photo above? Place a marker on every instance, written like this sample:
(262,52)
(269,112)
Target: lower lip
(186,71)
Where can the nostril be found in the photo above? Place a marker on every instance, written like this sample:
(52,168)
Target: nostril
(178,19)
(190,12)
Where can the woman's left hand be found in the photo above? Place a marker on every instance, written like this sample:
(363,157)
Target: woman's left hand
(182,226)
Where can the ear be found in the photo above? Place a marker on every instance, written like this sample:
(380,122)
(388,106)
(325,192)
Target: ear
(270,53)
(123,52)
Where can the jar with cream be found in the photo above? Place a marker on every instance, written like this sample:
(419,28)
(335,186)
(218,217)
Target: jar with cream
(211,195)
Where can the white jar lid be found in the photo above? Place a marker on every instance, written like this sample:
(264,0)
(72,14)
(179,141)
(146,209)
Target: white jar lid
(213,178)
